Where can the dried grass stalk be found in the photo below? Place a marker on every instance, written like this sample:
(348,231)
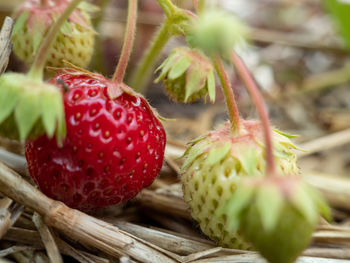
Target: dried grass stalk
(77,225)
(48,239)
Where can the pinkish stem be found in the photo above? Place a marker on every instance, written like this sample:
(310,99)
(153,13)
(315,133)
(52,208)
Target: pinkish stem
(252,88)
(128,43)
(232,108)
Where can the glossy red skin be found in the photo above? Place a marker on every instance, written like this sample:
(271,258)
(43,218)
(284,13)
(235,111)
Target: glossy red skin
(112,150)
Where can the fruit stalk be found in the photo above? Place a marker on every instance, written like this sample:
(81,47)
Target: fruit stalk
(199,5)
(37,69)
(252,88)
(128,43)
(141,76)
(232,108)
(168,7)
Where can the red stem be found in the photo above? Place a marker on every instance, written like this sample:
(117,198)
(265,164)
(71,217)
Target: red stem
(232,108)
(196,5)
(252,88)
(128,43)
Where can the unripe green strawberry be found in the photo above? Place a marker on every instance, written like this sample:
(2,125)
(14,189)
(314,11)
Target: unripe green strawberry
(29,108)
(213,165)
(276,214)
(188,75)
(74,42)
(216,32)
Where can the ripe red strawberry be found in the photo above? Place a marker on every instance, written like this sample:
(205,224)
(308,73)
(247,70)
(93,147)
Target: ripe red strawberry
(112,150)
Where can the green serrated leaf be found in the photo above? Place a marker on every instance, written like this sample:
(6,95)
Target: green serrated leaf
(87,7)
(66,29)
(20,22)
(166,67)
(27,113)
(211,86)
(236,204)
(249,161)
(194,82)
(9,96)
(50,107)
(194,151)
(321,204)
(290,136)
(179,68)
(269,203)
(217,153)
(305,204)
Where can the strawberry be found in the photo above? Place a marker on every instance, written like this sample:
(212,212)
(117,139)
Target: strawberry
(276,214)
(74,42)
(113,148)
(213,166)
(216,32)
(187,75)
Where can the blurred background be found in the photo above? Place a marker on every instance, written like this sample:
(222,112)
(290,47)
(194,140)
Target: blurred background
(296,54)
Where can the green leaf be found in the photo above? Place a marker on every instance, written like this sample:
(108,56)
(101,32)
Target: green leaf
(61,124)
(321,204)
(290,136)
(269,203)
(179,68)
(166,65)
(303,202)
(217,153)
(20,22)
(50,110)
(194,81)
(340,11)
(87,7)
(27,113)
(194,151)
(249,161)
(66,29)
(9,96)
(211,86)
(241,199)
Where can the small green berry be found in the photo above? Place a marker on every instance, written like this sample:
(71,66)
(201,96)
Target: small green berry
(213,166)
(188,75)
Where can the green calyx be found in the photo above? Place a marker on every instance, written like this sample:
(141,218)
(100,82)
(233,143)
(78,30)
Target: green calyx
(187,75)
(247,150)
(276,215)
(30,108)
(217,32)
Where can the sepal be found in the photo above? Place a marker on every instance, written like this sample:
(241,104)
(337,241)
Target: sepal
(30,108)
(187,75)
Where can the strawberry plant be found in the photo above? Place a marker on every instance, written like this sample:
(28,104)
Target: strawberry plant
(93,142)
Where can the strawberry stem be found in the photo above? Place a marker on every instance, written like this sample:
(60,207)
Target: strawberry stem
(141,76)
(232,108)
(37,69)
(199,5)
(128,42)
(252,88)
(168,7)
